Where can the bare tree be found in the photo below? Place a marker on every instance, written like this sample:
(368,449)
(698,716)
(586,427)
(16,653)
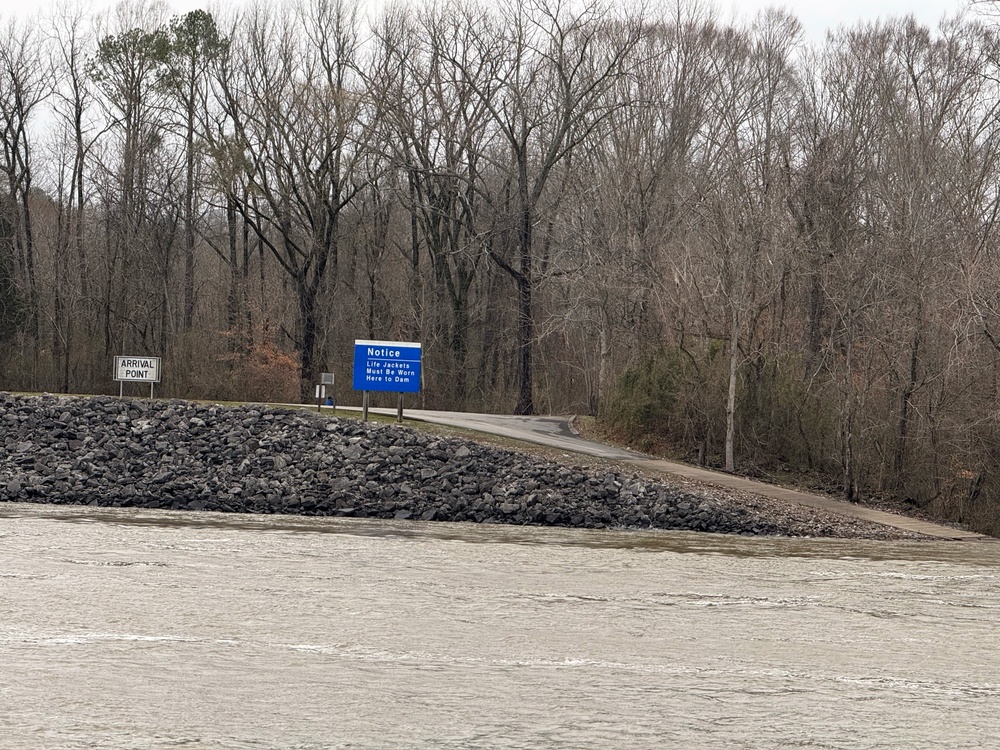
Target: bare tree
(193,43)
(294,133)
(741,189)
(632,199)
(552,69)
(71,38)
(138,181)
(438,125)
(25,82)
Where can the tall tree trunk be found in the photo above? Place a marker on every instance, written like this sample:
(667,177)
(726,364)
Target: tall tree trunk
(233,298)
(308,372)
(847,427)
(814,336)
(414,287)
(189,217)
(29,248)
(525,318)
(460,346)
(905,407)
(604,365)
(734,353)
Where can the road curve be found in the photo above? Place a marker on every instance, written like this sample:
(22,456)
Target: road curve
(558,432)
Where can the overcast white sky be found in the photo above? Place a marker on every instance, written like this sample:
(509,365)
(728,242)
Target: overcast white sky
(817,16)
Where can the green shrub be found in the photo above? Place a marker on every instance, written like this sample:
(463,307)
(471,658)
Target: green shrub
(674,402)
(644,398)
(671,401)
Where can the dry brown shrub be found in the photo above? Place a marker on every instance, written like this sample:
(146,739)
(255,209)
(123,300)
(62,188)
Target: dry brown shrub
(265,372)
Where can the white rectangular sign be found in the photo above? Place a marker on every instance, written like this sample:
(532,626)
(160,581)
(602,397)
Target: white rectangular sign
(137,369)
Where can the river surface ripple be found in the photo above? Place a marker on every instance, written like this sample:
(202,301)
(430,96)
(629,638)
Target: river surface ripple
(145,629)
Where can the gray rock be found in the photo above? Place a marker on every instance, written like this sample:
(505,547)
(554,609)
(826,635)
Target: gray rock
(179,455)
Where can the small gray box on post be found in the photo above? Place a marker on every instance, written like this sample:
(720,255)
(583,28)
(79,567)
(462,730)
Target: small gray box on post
(326,379)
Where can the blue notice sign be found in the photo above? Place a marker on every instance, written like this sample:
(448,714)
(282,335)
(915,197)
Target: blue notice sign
(387,366)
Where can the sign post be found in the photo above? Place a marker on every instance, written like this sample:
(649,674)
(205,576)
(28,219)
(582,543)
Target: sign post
(392,366)
(136,370)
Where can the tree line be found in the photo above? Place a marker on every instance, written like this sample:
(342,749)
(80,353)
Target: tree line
(764,252)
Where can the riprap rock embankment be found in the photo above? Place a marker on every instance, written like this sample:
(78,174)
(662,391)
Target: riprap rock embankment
(250,459)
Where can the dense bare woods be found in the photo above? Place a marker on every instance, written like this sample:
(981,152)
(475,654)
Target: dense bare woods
(760,251)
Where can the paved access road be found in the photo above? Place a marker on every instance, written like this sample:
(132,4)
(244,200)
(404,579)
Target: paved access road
(558,432)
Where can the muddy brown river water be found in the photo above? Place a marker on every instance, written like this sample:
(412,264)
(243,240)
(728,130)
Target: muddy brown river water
(143,629)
